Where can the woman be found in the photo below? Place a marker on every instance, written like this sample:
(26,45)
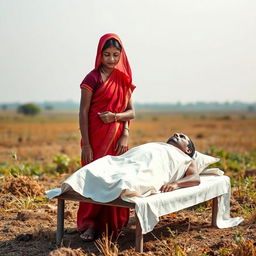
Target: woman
(105,111)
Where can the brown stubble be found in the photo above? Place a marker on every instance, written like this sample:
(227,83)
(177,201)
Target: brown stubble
(42,139)
(232,133)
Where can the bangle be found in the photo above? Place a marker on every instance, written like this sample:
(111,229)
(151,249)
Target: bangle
(115,118)
(126,128)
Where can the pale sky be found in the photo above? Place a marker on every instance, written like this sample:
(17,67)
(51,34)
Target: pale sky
(182,50)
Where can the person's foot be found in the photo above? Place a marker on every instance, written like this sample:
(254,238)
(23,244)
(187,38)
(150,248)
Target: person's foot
(88,235)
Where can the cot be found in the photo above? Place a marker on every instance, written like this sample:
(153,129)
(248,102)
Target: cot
(215,188)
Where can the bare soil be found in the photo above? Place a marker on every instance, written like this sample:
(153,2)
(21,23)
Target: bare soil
(28,232)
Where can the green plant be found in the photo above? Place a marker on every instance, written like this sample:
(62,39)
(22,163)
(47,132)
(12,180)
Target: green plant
(233,162)
(27,169)
(62,162)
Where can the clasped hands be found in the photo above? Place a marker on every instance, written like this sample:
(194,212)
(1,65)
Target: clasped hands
(107,117)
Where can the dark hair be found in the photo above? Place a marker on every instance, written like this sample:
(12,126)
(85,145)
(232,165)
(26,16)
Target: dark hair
(191,146)
(112,42)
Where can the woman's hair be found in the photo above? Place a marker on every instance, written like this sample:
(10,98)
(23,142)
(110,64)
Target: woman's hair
(112,42)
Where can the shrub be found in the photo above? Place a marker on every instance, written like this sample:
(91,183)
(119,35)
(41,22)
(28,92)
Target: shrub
(29,109)
(62,163)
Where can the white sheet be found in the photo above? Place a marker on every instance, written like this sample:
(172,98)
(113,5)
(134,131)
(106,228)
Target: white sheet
(144,169)
(149,209)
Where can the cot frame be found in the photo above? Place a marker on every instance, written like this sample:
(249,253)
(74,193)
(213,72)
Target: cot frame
(74,196)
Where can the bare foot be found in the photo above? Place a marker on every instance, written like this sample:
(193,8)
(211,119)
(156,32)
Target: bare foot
(88,235)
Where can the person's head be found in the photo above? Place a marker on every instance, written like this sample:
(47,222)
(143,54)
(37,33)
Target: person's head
(110,54)
(122,65)
(183,142)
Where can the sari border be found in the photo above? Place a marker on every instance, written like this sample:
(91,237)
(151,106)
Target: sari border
(87,87)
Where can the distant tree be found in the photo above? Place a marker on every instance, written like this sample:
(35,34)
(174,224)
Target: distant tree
(4,107)
(29,109)
(48,107)
(251,108)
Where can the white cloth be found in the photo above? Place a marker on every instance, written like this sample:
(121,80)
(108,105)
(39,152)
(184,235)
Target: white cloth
(149,209)
(144,169)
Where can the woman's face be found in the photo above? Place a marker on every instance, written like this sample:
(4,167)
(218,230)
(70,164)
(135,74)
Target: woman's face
(110,57)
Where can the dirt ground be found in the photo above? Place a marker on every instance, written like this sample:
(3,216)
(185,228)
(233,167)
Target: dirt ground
(31,232)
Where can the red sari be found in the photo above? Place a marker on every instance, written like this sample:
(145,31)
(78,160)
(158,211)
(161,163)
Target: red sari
(113,95)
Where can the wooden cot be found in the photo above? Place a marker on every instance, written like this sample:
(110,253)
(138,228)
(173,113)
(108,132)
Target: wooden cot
(73,196)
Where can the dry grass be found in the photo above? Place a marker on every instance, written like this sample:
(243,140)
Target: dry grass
(106,246)
(64,251)
(39,139)
(232,135)
(244,248)
(21,186)
(43,138)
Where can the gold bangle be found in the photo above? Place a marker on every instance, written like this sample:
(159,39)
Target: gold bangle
(115,118)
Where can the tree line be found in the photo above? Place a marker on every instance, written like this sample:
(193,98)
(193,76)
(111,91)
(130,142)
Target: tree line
(35,108)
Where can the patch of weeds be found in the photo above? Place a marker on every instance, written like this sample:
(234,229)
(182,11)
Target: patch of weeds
(18,168)
(234,162)
(62,162)
(244,191)
(23,203)
(26,169)
(41,200)
(200,208)
(246,209)
(224,252)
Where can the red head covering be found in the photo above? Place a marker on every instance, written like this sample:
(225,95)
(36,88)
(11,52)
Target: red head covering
(123,64)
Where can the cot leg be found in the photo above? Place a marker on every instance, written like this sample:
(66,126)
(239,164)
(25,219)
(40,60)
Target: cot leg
(60,221)
(138,236)
(214,211)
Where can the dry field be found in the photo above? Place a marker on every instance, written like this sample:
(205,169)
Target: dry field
(42,151)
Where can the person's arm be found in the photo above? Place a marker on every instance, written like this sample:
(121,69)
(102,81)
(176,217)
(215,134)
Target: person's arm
(190,179)
(109,117)
(85,102)
(122,143)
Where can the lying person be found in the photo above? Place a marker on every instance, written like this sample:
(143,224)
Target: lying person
(143,170)
(148,168)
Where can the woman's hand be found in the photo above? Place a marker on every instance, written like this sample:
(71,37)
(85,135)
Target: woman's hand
(122,145)
(107,117)
(169,187)
(86,154)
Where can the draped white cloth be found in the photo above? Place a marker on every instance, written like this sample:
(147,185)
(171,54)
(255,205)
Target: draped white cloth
(143,170)
(149,209)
